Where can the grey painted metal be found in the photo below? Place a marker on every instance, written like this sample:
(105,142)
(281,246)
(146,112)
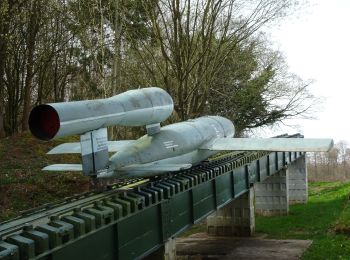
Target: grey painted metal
(62,167)
(171,148)
(132,108)
(178,146)
(272,144)
(175,144)
(135,223)
(94,152)
(113,146)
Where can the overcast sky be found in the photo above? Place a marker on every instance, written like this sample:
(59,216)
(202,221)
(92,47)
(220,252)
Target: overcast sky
(316,45)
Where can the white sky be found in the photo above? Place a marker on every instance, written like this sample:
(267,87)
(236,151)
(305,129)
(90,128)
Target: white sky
(316,45)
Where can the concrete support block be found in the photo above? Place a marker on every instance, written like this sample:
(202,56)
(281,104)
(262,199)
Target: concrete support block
(271,195)
(235,219)
(297,181)
(166,252)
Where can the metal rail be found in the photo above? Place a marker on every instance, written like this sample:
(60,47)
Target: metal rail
(131,224)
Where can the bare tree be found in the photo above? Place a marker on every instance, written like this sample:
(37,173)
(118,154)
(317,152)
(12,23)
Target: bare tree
(69,50)
(192,40)
(330,166)
(6,9)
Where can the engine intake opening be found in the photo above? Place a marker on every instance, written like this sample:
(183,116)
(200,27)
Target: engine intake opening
(44,122)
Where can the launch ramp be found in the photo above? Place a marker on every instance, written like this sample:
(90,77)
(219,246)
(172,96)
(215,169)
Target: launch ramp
(132,224)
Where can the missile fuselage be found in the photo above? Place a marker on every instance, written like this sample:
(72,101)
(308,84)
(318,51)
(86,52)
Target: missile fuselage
(176,143)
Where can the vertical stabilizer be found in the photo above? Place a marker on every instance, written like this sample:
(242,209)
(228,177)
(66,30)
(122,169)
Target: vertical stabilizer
(94,152)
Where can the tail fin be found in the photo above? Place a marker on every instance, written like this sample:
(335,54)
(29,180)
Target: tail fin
(113,146)
(93,147)
(94,152)
(64,167)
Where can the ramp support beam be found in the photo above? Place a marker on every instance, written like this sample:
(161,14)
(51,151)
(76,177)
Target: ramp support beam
(297,181)
(235,219)
(272,196)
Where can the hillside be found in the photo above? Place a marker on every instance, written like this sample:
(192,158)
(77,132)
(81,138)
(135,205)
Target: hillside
(22,183)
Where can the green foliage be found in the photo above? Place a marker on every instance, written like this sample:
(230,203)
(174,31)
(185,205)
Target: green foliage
(342,225)
(328,206)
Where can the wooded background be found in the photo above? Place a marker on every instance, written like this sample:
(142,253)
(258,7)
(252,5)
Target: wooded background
(212,56)
(331,166)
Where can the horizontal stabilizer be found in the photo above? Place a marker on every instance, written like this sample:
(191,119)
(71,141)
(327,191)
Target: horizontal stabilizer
(113,146)
(154,167)
(64,167)
(270,144)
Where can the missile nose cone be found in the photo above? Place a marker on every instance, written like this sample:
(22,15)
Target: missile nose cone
(44,122)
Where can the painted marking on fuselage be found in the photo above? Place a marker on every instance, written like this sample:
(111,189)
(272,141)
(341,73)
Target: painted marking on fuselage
(217,131)
(170,144)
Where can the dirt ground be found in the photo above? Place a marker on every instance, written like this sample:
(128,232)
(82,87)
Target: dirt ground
(201,246)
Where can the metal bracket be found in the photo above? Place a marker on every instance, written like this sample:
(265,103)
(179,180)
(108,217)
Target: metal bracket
(153,128)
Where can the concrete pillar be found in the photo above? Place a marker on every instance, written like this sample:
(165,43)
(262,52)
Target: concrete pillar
(166,252)
(271,195)
(235,219)
(297,181)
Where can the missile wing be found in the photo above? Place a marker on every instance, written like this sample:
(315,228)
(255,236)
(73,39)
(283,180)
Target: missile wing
(64,167)
(135,170)
(269,144)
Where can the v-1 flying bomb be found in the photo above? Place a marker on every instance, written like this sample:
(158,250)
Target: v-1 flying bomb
(163,149)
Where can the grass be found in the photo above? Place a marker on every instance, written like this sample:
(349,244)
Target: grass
(343,223)
(22,183)
(323,219)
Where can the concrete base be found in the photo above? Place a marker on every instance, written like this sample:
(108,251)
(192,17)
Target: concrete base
(235,219)
(297,181)
(166,252)
(271,195)
(202,246)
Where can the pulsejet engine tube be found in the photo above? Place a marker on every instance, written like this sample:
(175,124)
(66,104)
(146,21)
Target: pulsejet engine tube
(139,107)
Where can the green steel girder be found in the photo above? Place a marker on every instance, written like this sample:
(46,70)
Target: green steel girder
(132,224)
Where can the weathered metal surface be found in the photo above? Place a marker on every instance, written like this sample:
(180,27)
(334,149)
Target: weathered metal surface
(132,108)
(132,224)
(175,144)
(179,146)
(113,146)
(94,152)
(272,144)
(163,149)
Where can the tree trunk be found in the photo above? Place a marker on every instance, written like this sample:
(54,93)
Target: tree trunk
(4,29)
(2,83)
(33,27)
(116,73)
